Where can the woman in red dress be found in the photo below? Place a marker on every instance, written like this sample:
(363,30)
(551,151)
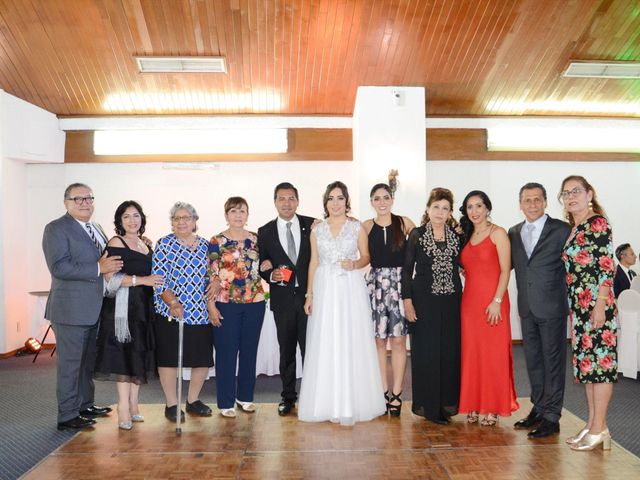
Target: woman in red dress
(486,382)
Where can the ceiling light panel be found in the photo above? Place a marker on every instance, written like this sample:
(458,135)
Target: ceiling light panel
(181,64)
(603,70)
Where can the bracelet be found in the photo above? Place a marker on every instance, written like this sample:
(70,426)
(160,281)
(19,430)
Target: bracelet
(173,303)
(308,295)
(133,280)
(602,297)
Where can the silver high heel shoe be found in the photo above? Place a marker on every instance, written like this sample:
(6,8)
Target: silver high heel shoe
(577,437)
(590,441)
(125,425)
(137,418)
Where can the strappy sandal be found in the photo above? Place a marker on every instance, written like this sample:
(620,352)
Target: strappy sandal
(394,410)
(472,417)
(228,412)
(490,420)
(248,407)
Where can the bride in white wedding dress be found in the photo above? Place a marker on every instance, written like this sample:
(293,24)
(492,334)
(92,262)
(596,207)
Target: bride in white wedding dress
(341,380)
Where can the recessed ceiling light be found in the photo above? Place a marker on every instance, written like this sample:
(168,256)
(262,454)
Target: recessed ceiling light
(181,64)
(589,69)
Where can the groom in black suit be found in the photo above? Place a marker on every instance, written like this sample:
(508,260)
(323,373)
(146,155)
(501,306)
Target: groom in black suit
(536,249)
(285,242)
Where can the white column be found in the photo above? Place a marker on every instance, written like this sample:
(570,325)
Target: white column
(389,133)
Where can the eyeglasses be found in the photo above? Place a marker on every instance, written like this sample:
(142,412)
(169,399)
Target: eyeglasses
(572,193)
(186,218)
(81,200)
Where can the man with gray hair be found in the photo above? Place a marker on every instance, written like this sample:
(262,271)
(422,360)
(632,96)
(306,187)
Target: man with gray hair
(73,246)
(536,249)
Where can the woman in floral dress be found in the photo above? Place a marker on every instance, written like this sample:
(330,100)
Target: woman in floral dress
(238,311)
(588,257)
(387,234)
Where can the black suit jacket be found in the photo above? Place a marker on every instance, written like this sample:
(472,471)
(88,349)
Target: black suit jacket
(621,282)
(541,279)
(270,248)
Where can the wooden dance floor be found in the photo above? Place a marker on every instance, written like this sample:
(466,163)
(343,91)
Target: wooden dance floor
(264,446)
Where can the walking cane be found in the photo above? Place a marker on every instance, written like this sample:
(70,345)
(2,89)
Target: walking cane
(179,406)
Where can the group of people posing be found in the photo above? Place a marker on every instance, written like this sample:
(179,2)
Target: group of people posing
(343,323)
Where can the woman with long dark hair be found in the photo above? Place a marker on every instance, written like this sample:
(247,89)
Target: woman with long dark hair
(341,382)
(125,344)
(387,234)
(486,380)
(431,299)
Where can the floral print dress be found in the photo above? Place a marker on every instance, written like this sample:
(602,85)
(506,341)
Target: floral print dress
(588,259)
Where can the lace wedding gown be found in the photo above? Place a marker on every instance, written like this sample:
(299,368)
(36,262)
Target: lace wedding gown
(341,378)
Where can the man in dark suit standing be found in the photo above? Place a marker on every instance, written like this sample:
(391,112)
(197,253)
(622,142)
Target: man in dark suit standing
(285,242)
(536,248)
(624,274)
(73,246)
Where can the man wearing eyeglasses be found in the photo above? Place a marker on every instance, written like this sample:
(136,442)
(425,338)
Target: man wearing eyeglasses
(624,273)
(73,246)
(536,248)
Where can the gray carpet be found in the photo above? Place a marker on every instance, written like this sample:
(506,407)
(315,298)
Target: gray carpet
(28,428)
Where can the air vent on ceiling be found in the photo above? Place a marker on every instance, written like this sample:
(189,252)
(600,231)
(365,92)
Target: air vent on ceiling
(181,64)
(588,69)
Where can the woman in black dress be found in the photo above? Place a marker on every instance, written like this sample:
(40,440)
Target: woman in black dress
(125,346)
(432,306)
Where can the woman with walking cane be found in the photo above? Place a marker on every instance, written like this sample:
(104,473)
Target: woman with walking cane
(181,258)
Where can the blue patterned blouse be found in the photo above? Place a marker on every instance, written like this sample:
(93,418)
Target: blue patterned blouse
(185,274)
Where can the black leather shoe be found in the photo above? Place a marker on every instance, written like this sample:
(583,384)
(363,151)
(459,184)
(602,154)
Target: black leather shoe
(93,411)
(285,407)
(76,423)
(171,413)
(546,429)
(198,408)
(531,421)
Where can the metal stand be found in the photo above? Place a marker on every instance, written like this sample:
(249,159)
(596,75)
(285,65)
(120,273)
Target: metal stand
(42,344)
(179,406)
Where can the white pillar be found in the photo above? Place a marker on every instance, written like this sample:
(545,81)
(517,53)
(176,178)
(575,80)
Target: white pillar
(389,133)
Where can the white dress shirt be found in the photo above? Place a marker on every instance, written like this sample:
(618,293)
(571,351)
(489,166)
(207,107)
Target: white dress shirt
(295,230)
(96,232)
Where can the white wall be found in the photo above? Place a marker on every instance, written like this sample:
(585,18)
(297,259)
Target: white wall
(27,134)
(157,188)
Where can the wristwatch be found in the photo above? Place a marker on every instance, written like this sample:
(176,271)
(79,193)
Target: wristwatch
(498,300)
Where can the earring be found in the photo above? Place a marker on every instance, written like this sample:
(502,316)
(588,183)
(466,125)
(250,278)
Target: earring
(590,204)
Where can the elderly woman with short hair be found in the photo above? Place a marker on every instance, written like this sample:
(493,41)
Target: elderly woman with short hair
(181,258)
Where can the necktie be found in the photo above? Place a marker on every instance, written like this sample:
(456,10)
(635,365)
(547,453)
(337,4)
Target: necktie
(291,244)
(631,274)
(528,238)
(93,236)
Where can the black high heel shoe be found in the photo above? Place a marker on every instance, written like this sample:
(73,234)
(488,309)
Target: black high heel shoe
(386,402)
(394,410)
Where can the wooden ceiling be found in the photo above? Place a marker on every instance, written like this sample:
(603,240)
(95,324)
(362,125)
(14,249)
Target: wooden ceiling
(475,57)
